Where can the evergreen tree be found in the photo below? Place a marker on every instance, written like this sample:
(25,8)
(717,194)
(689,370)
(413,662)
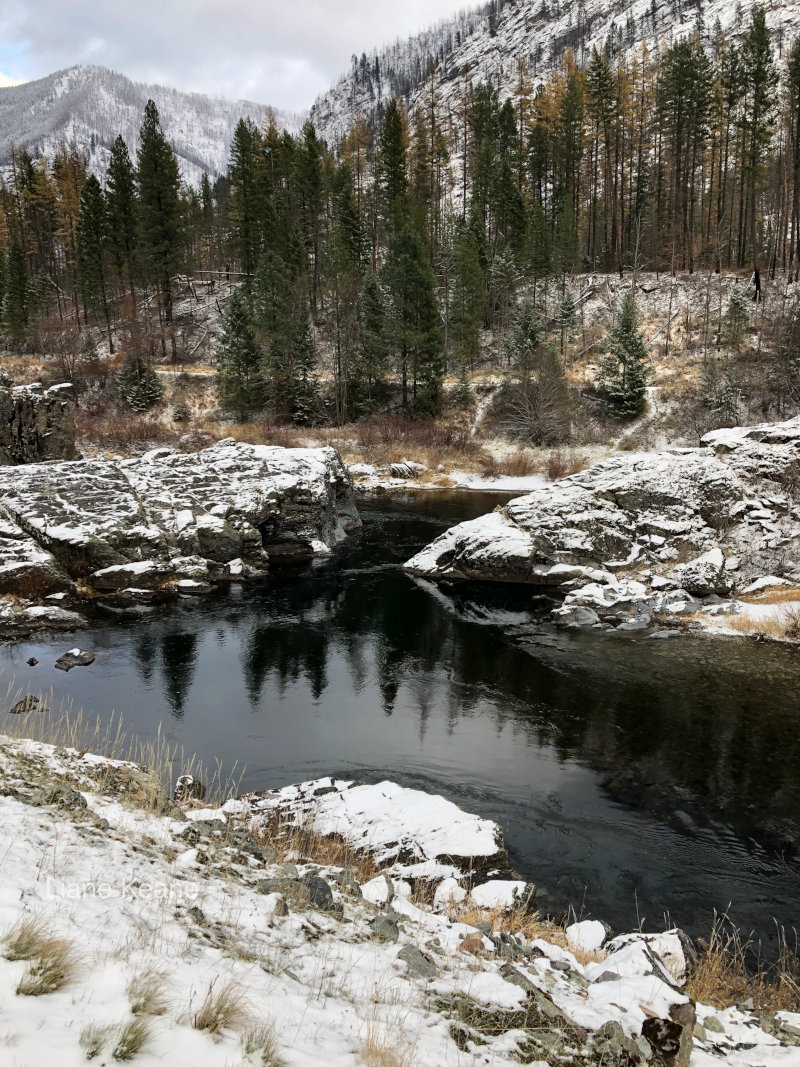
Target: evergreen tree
(566,319)
(121,211)
(737,316)
(15,299)
(247,193)
(160,230)
(416,329)
(137,382)
(467,300)
(240,382)
(91,244)
(392,167)
(624,370)
(373,349)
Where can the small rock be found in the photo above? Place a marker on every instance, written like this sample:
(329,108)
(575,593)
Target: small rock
(189,788)
(417,962)
(76,657)
(197,916)
(32,662)
(713,1024)
(60,796)
(320,895)
(27,704)
(385,927)
(294,892)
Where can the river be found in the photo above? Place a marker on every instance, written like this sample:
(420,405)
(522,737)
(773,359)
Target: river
(635,779)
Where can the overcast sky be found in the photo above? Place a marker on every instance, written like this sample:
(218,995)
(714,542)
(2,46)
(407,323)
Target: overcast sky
(279,52)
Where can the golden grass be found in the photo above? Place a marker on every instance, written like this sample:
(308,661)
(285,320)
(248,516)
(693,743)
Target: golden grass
(261,1041)
(52,960)
(782,594)
(152,766)
(518,921)
(132,1038)
(222,1009)
(782,626)
(146,993)
(387,1044)
(723,976)
(291,841)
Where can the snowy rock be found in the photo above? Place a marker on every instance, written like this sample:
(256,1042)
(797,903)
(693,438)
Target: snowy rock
(37,424)
(497,893)
(706,574)
(671,526)
(221,513)
(406,469)
(587,936)
(412,833)
(76,657)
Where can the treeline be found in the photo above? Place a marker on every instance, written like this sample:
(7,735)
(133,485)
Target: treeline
(370,269)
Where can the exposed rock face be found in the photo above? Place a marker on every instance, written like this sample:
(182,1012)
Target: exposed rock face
(37,424)
(643,534)
(168,519)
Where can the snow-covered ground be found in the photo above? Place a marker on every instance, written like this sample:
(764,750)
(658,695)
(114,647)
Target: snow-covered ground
(194,910)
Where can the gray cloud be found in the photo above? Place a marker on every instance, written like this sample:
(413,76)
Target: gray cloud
(279,52)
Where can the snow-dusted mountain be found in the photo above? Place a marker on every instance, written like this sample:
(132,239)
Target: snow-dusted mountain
(486,44)
(91,105)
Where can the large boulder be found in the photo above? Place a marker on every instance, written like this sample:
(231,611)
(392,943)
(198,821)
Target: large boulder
(224,512)
(37,424)
(704,520)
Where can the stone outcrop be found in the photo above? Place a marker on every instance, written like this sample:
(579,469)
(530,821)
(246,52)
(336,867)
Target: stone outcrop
(37,424)
(642,536)
(167,522)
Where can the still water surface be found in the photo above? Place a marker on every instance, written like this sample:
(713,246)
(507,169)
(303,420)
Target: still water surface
(634,778)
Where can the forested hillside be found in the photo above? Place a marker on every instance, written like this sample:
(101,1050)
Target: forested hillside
(363,276)
(91,106)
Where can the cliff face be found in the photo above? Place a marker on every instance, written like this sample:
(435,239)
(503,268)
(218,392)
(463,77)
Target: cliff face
(37,424)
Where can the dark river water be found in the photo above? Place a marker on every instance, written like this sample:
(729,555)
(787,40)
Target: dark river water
(635,778)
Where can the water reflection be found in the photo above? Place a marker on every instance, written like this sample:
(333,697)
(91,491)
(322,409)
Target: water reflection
(626,771)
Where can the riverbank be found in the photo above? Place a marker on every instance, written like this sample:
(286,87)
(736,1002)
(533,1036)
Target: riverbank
(298,928)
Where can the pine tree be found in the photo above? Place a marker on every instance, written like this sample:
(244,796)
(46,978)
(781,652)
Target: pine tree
(91,245)
(415,321)
(391,167)
(15,300)
(240,381)
(247,185)
(466,300)
(160,229)
(137,382)
(566,319)
(373,349)
(737,316)
(624,370)
(121,210)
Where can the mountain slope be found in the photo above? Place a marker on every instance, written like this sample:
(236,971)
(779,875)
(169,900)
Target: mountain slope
(487,43)
(91,105)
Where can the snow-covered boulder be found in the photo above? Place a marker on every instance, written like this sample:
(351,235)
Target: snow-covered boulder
(169,517)
(682,523)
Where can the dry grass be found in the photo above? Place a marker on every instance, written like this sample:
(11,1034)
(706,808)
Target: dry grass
(261,1042)
(518,921)
(723,976)
(782,594)
(291,841)
(784,626)
(517,464)
(222,1009)
(561,464)
(150,768)
(146,993)
(387,1044)
(52,960)
(128,431)
(94,1038)
(132,1038)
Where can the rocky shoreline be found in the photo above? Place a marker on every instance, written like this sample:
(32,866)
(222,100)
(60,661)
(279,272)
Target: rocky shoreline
(163,525)
(327,905)
(645,541)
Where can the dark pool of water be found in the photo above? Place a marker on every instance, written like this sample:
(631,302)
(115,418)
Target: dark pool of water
(634,778)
